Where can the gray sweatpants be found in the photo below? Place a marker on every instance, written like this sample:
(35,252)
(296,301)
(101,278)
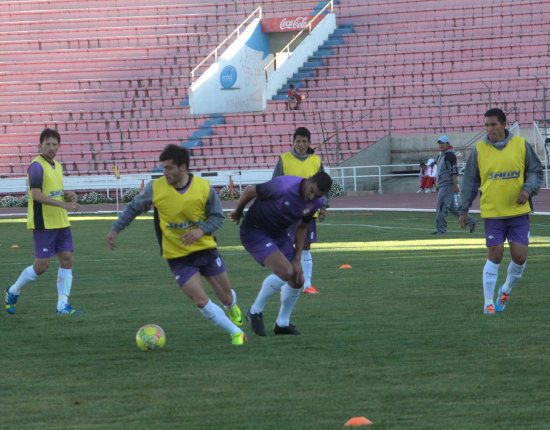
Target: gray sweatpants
(445,204)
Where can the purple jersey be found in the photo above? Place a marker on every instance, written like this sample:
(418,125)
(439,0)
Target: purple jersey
(278,205)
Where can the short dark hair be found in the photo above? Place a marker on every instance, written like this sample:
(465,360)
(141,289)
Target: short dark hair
(178,154)
(323,181)
(302,131)
(47,133)
(291,85)
(501,116)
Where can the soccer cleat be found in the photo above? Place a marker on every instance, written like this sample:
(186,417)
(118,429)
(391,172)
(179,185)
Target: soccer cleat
(489,309)
(311,290)
(256,322)
(500,305)
(10,301)
(238,338)
(236,315)
(68,310)
(473,227)
(290,329)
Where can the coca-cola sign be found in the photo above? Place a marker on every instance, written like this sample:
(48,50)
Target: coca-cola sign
(298,23)
(287,23)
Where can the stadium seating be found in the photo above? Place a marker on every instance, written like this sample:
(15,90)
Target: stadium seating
(112,77)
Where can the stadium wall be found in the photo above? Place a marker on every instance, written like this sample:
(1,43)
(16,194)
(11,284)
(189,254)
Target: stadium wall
(236,81)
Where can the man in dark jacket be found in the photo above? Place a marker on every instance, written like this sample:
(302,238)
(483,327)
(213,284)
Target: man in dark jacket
(447,186)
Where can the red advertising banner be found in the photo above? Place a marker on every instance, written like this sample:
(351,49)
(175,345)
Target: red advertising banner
(287,23)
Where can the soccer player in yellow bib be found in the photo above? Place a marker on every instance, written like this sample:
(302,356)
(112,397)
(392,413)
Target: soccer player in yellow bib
(187,212)
(302,161)
(47,218)
(508,173)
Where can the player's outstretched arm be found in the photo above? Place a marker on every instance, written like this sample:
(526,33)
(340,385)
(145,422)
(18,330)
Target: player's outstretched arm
(110,239)
(246,197)
(141,204)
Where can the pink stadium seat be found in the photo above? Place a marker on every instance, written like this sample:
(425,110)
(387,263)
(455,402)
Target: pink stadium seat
(112,81)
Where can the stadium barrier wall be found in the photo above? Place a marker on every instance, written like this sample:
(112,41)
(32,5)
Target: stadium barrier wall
(235,82)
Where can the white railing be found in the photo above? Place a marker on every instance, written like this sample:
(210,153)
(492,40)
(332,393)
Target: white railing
(287,47)
(376,173)
(106,183)
(539,136)
(351,178)
(214,52)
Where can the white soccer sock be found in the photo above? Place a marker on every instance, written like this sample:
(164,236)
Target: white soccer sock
(270,286)
(27,276)
(64,283)
(234,300)
(217,316)
(490,277)
(289,297)
(514,274)
(307,267)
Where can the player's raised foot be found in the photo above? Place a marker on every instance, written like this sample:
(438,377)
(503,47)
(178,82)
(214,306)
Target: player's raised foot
(10,301)
(502,299)
(256,322)
(489,309)
(236,315)
(238,338)
(311,290)
(68,310)
(290,329)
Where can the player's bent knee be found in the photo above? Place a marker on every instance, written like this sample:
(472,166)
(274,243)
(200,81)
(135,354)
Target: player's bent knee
(41,267)
(286,275)
(200,303)
(519,260)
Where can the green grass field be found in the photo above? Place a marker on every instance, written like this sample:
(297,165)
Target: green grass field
(399,338)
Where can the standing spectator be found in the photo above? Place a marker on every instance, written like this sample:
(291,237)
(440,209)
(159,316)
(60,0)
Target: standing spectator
(423,176)
(447,186)
(302,161)
(47,218)
(508,173)
(293,93)
(427,176)
(432,175)
(279,203)
(187,213)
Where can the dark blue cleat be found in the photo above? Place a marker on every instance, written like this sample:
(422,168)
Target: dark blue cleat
(11,300)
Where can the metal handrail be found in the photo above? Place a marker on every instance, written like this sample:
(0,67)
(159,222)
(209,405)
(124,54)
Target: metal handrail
(287,47)
(215,50)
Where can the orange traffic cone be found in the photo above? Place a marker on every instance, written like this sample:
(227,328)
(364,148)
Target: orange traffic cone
(357,421)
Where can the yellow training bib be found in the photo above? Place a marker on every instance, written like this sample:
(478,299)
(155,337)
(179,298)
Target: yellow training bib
(41,216)
(179,213)
(502,176)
